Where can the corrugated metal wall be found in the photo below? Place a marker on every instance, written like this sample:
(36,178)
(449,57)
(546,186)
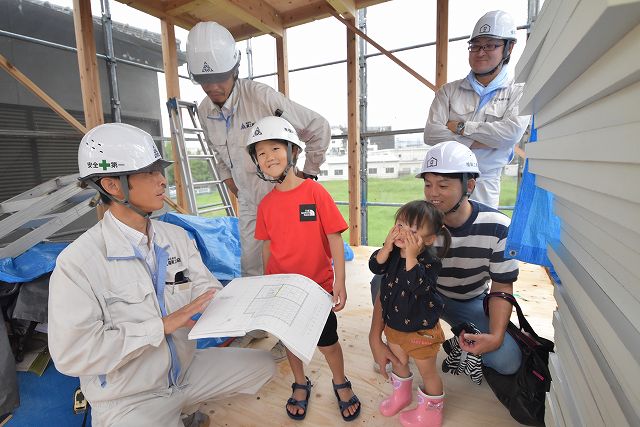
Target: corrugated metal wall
(582,72)
(50,151)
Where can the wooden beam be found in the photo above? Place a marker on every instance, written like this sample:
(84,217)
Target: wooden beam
(442,42)
(178,7)
(87,62)
(346,8)
(283,63)
(391,56)
(257,13)
(243,32)
(306,14)
(353,145)
(170,63)
(18,75)
(151,7)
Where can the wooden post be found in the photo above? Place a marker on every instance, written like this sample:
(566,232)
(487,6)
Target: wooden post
(170,63)
(442,42)
(283,63)
(353,148)
(87,63)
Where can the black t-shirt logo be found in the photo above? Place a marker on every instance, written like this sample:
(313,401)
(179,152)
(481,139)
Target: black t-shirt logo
(308,212)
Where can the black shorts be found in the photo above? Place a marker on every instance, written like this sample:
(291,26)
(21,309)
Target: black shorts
(329,334)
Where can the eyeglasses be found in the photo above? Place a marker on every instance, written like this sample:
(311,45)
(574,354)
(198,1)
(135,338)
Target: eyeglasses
(486,47)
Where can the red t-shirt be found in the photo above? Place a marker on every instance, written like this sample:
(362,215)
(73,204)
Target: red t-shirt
(297,223)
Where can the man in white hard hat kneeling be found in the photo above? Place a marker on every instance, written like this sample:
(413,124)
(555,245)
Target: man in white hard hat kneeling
(481,110)
(474,265)
(123,297)
(228,113)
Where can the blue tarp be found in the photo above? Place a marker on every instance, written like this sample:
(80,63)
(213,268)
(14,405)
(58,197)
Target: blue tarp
(348,252)
(218,240)
(534,224)
(35,262)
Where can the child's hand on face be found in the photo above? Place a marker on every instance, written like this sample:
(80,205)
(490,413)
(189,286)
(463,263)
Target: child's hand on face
(413,244)
(391,237)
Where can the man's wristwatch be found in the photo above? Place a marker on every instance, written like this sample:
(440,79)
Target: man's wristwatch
(307,175)
(460,128)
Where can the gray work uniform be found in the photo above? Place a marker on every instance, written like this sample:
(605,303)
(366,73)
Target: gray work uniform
(105,326)
(497,124)
(228,129)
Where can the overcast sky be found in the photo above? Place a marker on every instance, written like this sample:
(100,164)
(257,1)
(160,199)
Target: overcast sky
(395,98)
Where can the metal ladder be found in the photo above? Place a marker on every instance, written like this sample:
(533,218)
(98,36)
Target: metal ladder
(193,132)
(40,212)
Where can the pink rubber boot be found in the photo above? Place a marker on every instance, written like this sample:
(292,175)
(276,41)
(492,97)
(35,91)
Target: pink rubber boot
(427,414)
(401,397)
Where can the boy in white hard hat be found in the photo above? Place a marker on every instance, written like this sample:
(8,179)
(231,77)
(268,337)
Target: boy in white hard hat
(474,265)
(481,110)
(300,213)
(229,112)
(123,295)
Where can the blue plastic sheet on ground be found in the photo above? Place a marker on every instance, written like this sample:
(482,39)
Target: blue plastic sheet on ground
(218,240)
(348,252)
(30,265)
(534,225)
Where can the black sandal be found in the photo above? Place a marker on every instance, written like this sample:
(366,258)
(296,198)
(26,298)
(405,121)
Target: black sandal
(345,405)
(302,404)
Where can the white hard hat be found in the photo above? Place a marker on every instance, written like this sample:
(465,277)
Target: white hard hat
(114,149)
(273,127)
(211,53)
(449,157)
(496,24)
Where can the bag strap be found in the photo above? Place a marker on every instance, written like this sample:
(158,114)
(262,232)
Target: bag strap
(523,323)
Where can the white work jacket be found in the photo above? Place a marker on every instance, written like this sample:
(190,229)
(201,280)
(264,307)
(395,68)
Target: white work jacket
(497,124)
(106,309)
(228,130)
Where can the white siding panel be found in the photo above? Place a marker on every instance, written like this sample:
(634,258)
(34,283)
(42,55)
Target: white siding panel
(593,27)
(604,324)
(618,262)
(537,36)
(607,144)
(617,109)
(576,354)
(615,70)
(562,392)
(612,232)
(626,212)
(585,401)
(595,176)
(553,411)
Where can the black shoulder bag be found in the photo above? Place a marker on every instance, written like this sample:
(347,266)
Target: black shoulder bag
(524,392)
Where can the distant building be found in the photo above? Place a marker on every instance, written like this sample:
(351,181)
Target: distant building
(386,163)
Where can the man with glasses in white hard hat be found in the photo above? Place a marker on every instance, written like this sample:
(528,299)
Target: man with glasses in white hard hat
(228,113)
(473,266)
(124,295)
(481,110)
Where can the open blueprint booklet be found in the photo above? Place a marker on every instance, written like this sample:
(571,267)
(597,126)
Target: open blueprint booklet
(292,307)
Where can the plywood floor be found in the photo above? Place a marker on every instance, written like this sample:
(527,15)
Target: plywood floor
(466,403)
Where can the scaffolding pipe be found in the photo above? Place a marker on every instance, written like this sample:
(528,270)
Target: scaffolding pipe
(107,28)
(364,188)
(371,55)
(73,49)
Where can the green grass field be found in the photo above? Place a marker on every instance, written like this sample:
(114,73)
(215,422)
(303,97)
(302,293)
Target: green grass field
(380,218)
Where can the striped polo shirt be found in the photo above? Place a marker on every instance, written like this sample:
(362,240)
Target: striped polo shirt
(476,256)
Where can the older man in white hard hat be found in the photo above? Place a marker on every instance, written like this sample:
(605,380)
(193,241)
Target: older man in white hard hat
(123,297)
(228,113)
(481,110)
